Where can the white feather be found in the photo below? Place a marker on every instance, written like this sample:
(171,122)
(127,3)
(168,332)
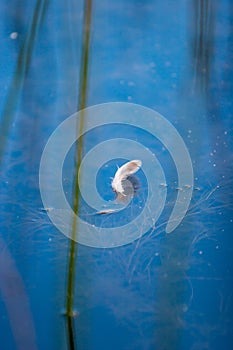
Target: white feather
(122,173)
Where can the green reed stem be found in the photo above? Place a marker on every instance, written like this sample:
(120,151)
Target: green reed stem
(76,200)
(22,67)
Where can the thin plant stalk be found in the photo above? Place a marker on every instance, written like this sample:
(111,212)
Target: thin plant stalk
(70,314)
(23,64)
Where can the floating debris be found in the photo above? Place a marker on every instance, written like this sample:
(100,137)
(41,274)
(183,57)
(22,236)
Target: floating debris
(47,209)
(14,35)
(107,211)
(187,186)
(123,173)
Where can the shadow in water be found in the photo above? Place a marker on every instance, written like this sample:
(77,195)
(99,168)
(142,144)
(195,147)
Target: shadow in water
(203,39)
(22,67)
(15,298)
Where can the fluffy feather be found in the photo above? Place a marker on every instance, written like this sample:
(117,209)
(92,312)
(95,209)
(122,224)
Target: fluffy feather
(122,173)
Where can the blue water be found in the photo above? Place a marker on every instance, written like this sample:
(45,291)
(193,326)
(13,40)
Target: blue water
(163,291)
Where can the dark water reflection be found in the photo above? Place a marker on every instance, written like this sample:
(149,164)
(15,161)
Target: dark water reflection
(203,43)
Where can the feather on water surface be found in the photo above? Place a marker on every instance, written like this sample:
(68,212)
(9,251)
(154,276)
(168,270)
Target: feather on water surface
(123,173)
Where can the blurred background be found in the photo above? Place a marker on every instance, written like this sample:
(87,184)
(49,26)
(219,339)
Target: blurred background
(163,291)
